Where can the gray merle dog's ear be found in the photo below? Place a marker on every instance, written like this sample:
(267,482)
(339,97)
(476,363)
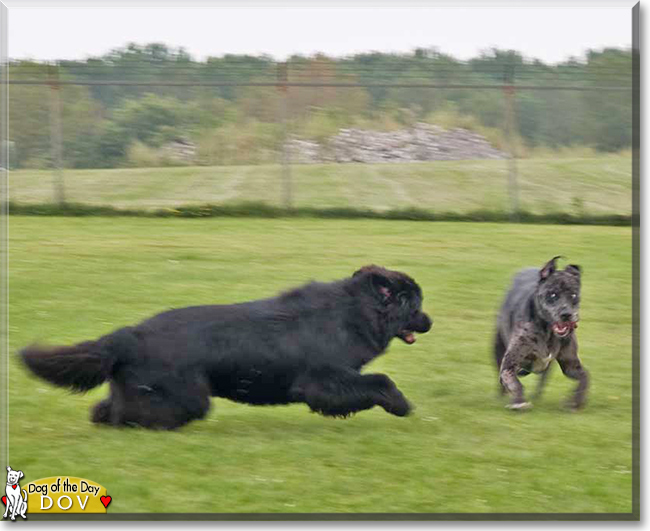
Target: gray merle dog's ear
(378,281)
(573,269)
(549,268)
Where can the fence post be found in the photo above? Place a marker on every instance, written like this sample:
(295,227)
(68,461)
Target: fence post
(56,142)
(287,192)
(513,185)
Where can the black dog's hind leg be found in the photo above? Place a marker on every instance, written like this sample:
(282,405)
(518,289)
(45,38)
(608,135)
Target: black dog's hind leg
(104,412)
(101,412)
(572,368)
(339,392)
(160,401)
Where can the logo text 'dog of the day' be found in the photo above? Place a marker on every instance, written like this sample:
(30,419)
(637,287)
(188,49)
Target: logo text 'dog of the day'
(66,495)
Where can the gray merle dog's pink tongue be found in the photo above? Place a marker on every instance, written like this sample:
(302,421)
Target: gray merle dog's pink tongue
(563,328)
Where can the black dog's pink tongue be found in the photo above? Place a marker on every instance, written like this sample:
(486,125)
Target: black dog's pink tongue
(409,338)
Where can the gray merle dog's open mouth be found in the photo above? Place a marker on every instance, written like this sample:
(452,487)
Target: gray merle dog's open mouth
(563,329)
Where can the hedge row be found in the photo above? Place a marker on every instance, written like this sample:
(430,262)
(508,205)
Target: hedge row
(260,210)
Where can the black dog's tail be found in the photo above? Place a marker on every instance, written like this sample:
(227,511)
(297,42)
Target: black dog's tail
(79,367)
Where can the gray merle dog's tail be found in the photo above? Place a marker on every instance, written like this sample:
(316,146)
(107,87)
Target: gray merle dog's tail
(79,367)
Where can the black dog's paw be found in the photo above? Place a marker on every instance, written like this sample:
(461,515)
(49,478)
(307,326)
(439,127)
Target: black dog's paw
(101,412)
(398,406)
(403,410)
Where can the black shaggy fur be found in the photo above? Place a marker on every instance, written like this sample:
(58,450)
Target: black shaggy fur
(307,345)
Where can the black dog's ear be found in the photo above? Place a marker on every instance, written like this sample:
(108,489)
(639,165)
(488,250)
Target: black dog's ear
(378,281)
(364,269)
(382,286)
(372,268)
(548,269)
(573,269)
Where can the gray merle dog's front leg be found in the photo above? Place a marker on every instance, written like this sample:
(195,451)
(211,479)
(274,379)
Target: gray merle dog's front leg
(542,383)
(508,377)
(572,368)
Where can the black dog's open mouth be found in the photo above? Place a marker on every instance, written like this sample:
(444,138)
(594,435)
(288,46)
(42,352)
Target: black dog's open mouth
(420,324)
(563,329)
(407,336)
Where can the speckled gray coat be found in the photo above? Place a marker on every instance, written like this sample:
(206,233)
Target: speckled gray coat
(535,326)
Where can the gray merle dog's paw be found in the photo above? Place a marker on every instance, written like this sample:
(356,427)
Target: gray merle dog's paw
(519,406)
(573,406)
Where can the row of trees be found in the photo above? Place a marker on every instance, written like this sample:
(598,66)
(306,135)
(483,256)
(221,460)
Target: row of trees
(113,125)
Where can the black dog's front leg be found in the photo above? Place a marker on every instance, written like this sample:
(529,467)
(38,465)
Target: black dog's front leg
(508,377)
(339,392)
(572,368)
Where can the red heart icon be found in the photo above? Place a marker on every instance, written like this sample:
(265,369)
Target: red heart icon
(4,500)
(106,500)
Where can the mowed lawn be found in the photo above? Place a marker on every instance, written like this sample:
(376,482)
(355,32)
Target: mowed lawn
(460,452)
(598,185)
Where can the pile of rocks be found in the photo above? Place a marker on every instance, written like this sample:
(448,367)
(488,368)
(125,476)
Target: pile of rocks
(422,142)
(305,151)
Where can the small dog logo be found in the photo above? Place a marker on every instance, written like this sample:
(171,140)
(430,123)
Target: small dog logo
(14,500)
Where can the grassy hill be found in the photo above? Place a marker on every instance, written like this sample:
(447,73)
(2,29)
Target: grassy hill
(595,186)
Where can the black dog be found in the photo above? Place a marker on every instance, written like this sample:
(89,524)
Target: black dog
(307,345)
(536,325)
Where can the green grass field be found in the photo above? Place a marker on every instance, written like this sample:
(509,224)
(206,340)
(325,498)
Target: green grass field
(598,185)
(461,451)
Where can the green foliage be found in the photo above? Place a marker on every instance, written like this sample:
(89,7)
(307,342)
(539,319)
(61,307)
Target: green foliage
(140,155)
(150,119)
(321,124)
(449,117)
(101,122)
(112,144)
(29,111)
(609,117)
(251,142)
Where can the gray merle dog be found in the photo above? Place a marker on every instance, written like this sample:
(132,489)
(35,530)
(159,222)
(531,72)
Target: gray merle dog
(536,325)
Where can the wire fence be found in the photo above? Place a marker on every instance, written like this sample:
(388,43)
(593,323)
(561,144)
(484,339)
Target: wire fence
(467,171)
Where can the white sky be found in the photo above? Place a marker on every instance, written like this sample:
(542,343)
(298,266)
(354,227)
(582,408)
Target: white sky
(549,33)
